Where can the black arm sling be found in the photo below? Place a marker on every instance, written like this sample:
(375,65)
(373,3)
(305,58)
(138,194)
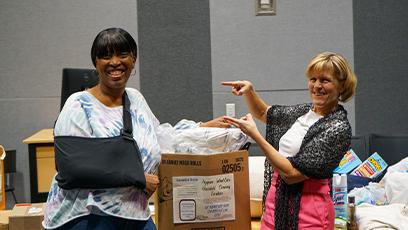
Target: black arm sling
(97,163)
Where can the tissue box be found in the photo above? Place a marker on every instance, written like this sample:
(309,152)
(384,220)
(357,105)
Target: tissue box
(371,168)
(349,162)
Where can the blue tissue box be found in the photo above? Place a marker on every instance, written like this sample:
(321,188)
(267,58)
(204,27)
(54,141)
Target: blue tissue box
(349,162)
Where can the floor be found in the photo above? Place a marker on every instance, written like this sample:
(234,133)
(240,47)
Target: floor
(256,224)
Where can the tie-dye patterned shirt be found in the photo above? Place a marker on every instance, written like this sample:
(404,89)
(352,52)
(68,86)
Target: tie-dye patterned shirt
(83,115)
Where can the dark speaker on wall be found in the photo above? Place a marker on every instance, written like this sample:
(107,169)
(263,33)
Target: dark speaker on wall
(75,80)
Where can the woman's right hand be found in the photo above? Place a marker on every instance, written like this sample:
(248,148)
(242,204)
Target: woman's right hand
(239,88)
(152,182)
(245,123)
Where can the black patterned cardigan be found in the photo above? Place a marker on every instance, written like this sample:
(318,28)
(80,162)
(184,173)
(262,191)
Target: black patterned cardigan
(321,150)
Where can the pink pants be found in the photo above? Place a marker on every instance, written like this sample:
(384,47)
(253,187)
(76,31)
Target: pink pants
(316,206)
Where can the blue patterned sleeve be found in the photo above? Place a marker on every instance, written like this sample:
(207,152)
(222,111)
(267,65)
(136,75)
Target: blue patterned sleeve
(72,120)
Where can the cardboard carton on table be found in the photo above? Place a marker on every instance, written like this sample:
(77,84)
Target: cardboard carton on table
(27,217)
(204,191)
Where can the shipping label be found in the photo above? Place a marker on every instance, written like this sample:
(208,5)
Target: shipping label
(203,198)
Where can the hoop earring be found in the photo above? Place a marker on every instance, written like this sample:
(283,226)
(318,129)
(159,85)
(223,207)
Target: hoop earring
(133,73)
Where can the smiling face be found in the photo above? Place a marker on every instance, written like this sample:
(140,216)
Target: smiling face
(330,81)
(324,90)
(114,53)
(114,70)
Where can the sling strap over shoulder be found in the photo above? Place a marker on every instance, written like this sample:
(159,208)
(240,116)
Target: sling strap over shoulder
(96,163)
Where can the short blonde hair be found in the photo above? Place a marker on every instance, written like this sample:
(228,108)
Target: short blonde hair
(338,66)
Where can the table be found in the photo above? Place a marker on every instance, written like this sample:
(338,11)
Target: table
(41,163)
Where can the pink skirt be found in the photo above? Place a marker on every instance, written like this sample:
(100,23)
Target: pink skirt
(316,206)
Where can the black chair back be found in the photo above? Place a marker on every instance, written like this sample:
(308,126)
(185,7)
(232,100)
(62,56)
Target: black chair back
(391,148)
(360,146)
(10,162)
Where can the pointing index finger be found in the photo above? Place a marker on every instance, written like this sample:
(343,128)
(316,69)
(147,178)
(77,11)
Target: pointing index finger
(229,83)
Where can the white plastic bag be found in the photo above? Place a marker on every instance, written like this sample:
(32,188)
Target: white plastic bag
(381,217)
(396,187)
(210,140)
(186,136)
(166,136)
(395,182)
(373,193)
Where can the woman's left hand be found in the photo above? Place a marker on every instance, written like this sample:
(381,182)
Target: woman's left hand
(152,182)
(246,124)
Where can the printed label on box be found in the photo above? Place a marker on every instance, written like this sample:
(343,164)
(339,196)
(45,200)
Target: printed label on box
(203,198)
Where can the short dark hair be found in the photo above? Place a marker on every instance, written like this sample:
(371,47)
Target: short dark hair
(113,41)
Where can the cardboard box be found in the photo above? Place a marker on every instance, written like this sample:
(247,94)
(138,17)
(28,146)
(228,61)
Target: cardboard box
(27,217)
(4,219)
(198,192)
